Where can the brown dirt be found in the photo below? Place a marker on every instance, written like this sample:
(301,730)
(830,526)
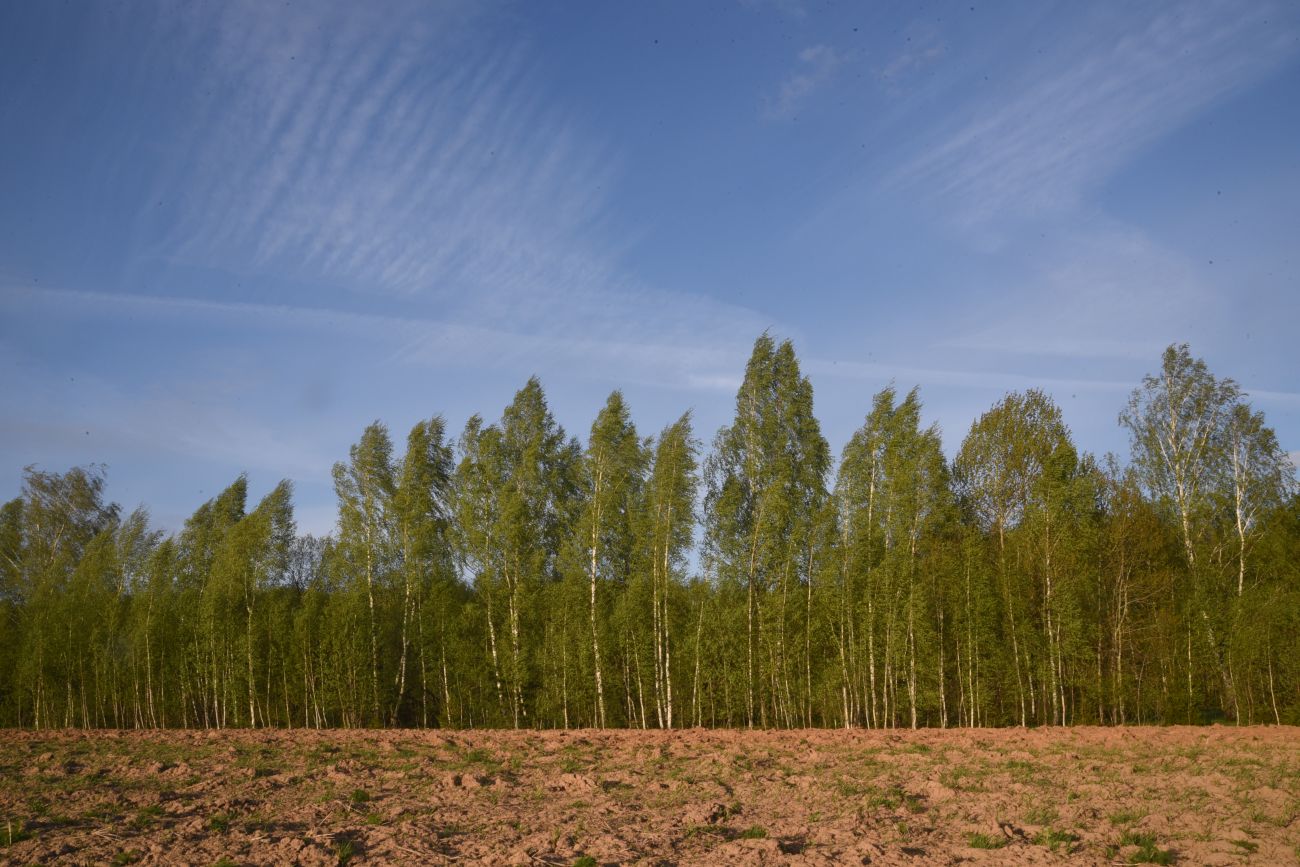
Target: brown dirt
(1205,795)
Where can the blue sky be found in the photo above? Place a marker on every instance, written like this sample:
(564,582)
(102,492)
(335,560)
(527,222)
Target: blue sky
(232,234)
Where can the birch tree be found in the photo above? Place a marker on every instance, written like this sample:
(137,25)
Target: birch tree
(1179,422)
(766,477)
(666,528)
(999,471)
(365,487)
(422,526)
(516,496)
(611,474)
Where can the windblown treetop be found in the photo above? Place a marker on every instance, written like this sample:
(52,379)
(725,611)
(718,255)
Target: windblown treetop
(519,577)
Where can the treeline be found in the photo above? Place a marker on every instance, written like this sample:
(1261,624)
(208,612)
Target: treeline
(514,576)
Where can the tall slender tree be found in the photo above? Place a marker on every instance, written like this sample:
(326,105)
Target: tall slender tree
(766,478)
(517,490)
(999,472)
(1204,455)
(422,504)
(611,476)
(365,487)
(665,529)
(539,583)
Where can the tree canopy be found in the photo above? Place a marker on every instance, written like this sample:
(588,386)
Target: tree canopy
(516,576)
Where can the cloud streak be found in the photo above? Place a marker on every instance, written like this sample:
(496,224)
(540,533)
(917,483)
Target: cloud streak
(392,153)
(816,68)
(999,381)
(197,419)
(410,159)
(650,337)
(1039,146)
(924,48)
(1106,291)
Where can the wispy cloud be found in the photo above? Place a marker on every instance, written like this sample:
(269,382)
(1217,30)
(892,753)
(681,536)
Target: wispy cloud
(383,151)
(1104,291)
(1064,124)
(816,67)
(402,156)
(923,46)
(996,381)
(197,419)
(651,337)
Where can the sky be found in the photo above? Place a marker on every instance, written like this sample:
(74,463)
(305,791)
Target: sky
(232,234)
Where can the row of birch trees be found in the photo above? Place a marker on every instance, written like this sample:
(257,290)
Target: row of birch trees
(514,576)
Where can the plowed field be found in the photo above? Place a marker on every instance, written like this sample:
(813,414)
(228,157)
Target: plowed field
(1083,795)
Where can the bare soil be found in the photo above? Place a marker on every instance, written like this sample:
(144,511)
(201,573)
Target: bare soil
(1081,795)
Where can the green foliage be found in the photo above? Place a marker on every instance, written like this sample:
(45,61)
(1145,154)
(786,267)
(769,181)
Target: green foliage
(766,482)
(518,577)
(978,840)
(15,831)
(1055,839)
(1125,817)
(145,816)
(1147,852)
(1043,814)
